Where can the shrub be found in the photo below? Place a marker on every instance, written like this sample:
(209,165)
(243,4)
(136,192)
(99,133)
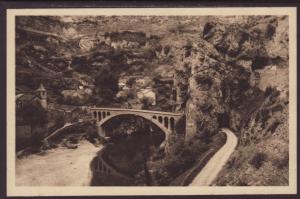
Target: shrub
(35,116)
(146,103)
(278,108)
(208,27)
(156,79)
(204,81)
(131,94)
(258,160)
(274,126)
(271,91)
(282,162)
(241,183)
(167,49)
(36,138)
(264,116)
(180,125)
(175,165)
(131,81)
(106,84)
(162,178)
(231,163)
(198,146)
(270,31)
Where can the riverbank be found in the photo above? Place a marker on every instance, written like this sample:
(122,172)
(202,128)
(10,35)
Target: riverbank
(57,167)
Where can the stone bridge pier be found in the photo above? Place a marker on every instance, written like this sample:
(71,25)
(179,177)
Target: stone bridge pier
(166,121)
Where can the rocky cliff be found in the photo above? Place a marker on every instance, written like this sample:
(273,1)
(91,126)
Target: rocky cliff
(229,72)
(236,76)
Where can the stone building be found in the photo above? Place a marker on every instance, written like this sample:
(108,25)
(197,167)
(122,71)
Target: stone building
(147,93)
(23,130)
(23,99)
(42,94)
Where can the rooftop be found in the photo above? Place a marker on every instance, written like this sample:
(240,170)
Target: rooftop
(41,88)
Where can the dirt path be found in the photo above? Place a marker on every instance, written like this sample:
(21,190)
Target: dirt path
(215,164)
(58,167)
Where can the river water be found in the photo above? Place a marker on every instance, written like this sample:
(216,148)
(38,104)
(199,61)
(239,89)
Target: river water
(129,153)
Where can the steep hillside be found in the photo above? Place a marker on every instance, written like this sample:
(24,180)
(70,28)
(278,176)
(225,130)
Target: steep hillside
(231,79)
(54,50)
(228,72)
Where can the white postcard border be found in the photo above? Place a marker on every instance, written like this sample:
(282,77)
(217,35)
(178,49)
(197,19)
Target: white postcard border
(13,190)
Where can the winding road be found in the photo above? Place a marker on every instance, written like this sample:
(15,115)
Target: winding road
(210,171)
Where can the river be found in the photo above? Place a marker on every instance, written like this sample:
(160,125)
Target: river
(129,154)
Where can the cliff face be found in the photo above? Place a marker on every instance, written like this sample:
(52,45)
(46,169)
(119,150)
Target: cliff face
(66,51)
(236,76)
(232,73)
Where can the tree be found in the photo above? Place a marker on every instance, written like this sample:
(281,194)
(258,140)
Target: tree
(156,79)
(130,81)
(146,103)
(106,84)
(35,116)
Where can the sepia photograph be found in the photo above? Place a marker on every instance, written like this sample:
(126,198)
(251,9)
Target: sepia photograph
(180,99)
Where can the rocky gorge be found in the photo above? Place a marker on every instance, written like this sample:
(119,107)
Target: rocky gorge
(218,77)
(228,72)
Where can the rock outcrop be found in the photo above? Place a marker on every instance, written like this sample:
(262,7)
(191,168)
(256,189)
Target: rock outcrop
(223,81)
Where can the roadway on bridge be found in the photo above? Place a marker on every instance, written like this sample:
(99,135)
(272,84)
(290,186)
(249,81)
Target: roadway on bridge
(211,170)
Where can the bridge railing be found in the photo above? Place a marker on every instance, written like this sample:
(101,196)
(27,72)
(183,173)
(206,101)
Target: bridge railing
(136,110)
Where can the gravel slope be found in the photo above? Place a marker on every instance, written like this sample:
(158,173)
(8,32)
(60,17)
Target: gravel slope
(58,167)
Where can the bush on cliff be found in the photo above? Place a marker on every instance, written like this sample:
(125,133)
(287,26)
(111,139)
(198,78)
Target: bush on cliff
(258,159)
(106,84)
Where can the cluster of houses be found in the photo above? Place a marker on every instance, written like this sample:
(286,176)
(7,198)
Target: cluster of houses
(25,98)
(79,86)
(87,43)
(124,44)
(140,86)
(39,96)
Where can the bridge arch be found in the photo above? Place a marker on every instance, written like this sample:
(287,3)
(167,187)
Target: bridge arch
(151,120)
(166,121)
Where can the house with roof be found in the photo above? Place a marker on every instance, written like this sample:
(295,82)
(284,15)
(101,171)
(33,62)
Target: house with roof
(40,96)
(24,99)
(147,93)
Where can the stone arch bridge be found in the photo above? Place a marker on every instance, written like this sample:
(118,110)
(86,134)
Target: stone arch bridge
(166,121)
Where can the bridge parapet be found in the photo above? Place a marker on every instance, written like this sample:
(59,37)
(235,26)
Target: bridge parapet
(137,111)
(165,120)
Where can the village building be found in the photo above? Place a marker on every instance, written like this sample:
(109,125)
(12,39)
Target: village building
(108,41)
(142,81)
(22,100)
(147,93)
(122,95)
(71,83)
(272,67)
(126,88)
(40,96)
(100,37)
(114,45)
(121,85)
(83,82)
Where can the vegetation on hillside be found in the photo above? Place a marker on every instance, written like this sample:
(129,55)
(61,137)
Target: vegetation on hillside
(221,68)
